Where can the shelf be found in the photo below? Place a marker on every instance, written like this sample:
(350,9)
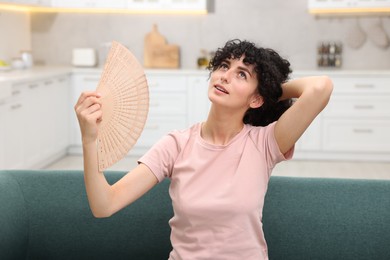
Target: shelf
(349,7)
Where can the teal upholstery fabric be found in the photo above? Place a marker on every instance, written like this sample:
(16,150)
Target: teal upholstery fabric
(327,219)
(60,225)
(13,219)
(45,215)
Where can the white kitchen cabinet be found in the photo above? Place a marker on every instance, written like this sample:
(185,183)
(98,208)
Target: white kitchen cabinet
(354,125)
(55,123)
(5,95)
(2,131)
(177,100)
(33,118)
(167,109)
(356,122)
(80,82)
(14,129)
(36,127)
(357,136)
(198,101)
(358,116)
(311,140)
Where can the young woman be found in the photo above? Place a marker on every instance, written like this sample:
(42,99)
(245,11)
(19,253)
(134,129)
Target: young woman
(219,169)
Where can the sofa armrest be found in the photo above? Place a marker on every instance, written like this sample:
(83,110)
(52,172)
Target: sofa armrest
(14,224)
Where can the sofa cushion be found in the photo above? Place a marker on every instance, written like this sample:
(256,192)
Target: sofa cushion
(61,225)
(313,218)
(13,219)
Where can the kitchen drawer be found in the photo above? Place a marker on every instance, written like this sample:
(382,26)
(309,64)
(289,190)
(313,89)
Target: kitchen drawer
(356,135)
(358,106)
(157,127)
(167,104)
(5,91)
(361,85)
(167,83)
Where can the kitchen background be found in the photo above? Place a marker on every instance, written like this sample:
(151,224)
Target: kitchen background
(285,26)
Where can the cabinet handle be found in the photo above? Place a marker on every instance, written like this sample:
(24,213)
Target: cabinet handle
(154,104)
(153,127)
(154,85)
(364,86)
(363,131)
(15,92)
(91,79)
(32,86)
(16,106)
(49,82)
(364,107)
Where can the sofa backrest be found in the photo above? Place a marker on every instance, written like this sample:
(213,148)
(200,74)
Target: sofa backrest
(312,218)
(13,219)
(50,214)
(45,215)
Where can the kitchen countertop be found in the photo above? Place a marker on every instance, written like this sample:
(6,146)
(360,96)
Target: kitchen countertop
(35,73)
(42,72)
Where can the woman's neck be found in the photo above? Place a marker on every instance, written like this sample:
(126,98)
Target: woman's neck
(221,128)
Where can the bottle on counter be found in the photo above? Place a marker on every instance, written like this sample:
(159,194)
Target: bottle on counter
(203,60)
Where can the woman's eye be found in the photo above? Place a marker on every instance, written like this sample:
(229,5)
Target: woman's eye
(223,66)
(242,74)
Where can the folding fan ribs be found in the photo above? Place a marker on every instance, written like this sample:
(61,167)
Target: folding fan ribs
(125,103)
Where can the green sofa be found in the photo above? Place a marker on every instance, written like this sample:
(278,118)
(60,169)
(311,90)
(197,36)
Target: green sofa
(45,215)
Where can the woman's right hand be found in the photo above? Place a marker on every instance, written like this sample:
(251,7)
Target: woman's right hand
(89,114)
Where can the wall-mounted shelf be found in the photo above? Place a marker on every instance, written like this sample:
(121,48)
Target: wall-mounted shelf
(103,6)
(349,7)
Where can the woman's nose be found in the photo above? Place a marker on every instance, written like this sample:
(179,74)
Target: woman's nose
(225,77)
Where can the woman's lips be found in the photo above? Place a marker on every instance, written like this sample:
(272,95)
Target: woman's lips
(221,89)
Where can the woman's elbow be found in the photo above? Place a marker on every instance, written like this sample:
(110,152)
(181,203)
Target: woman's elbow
(326,85)
(324,88)
(101,213)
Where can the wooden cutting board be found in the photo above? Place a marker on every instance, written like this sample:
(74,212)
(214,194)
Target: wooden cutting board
(159,54)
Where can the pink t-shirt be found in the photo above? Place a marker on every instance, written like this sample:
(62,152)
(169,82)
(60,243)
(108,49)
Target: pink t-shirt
(217,191)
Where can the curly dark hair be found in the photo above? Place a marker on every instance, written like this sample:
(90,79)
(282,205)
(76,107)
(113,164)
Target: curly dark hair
(271,70)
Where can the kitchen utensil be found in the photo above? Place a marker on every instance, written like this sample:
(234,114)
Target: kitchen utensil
(159,54)
(377,34)
(125,103)
(356,37)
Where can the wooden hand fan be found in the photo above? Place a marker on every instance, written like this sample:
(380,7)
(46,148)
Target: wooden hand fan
(125,104)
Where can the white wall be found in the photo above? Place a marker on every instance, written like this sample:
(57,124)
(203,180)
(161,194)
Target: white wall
(283,25)
(15,34)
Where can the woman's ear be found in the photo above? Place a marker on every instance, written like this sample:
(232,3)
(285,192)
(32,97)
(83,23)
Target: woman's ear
(256,102)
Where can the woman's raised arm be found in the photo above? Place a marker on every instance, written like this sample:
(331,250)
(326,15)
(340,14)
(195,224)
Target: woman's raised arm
(312,95)
(104,199)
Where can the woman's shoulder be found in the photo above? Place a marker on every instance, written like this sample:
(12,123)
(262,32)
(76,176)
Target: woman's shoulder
(259,129)
(184,135)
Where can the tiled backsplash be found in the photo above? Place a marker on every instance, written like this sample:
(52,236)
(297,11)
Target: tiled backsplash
(15,34)
(283,25)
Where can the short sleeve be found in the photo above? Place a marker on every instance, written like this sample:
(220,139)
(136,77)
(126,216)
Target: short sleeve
(161,157)
(266,142)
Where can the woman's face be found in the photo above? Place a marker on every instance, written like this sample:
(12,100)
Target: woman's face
(234,85)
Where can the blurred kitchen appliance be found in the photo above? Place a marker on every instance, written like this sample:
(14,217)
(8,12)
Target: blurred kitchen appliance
(84,57)
(27,58)
(329,54)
